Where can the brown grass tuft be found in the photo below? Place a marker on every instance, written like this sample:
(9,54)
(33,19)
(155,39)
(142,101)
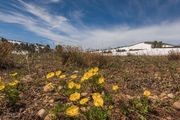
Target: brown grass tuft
(174,55)
(5,54)
(74,55)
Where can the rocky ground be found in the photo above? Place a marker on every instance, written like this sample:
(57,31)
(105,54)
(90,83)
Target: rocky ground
(133,75)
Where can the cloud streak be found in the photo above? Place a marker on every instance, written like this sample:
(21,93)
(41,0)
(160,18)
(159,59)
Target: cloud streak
(61,30)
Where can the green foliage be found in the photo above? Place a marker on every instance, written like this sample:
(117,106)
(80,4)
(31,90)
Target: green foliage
(140,106)
(108,98)
(96,113)
(12,94)
(59,108)
(94,84)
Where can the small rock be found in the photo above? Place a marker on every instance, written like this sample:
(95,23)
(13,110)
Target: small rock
(56,94)
(49,117)
(162,95)
(170,95)
(176,105)
(60,87)
(129,97)
(84,94)
(169,118)
(27,78)
(83,109)
(41,113)
(48,88)
(51,101)
(75,72)
(154,97)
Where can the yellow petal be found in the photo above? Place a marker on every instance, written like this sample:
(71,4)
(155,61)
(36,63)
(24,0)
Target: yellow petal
(75,96)
(72,111)
(58,73)
(83,101)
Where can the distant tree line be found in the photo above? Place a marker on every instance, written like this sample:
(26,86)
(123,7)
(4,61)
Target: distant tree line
(30,48)
(157,44)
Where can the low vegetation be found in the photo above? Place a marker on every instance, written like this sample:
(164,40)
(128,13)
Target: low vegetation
(71,84)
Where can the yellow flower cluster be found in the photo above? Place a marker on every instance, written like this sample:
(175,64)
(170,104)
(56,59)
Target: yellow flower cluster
(147,93)
(71,85)
(90,73)
(56,73)
(98,100)
(75,96)
(14,83)
(72,111)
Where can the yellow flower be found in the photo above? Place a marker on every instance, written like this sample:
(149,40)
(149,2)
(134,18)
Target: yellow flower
(72,111)
(147,93)
(75,96)
(13,74)
(71,85)
(2,86)
(58,73)
(83,101)
(62,76)
(96,95)
(96,69)
(73,76)
(50,75)
(110,107)
(101,80)
(115,87)
(78,86)
(98,100)
(14,83)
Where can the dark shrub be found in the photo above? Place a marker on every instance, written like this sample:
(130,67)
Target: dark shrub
(74,55)
(5,54)
(174,55)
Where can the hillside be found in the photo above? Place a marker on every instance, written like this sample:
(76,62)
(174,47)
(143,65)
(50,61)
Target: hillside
(144,48)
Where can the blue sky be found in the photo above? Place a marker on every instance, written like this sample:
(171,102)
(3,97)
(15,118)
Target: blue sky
(90,23)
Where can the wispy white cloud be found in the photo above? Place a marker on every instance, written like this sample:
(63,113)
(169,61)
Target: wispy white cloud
(52,1)
(61,30)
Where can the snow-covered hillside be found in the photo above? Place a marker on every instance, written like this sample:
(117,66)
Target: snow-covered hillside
(144,48)
(153,52)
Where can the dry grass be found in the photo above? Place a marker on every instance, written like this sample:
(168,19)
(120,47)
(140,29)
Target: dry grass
(174,55)
(5,54)
(75,56)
